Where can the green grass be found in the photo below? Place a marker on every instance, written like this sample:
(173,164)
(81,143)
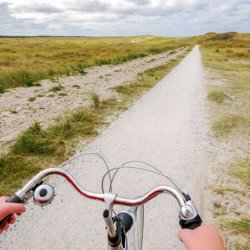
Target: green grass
(222,191)
(57,88)
(13,170)
(95,99)
(217,96)
(34,141)
(226,124)
(241,170)
(237,226)
(38,147)
(25,61)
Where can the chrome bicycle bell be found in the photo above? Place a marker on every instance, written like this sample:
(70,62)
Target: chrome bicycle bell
(44,194)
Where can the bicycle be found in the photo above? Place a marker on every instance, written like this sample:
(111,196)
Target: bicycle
(124,229)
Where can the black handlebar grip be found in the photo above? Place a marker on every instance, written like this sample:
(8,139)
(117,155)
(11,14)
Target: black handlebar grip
(191,224)
(12,199)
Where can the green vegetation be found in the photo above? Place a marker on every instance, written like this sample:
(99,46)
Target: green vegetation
(241,170)
(38,147)
(217,96)
(237,226)
(57,88)
(31,99)
(95,99)
(13,111)
(228,56)
(226,124)
(76,86)
(223,36)
(25,61)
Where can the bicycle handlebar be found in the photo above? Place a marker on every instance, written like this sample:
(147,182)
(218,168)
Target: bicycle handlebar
(188,212)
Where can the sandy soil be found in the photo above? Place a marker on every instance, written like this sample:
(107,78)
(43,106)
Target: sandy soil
(18,110)
(229,198)
(164,128)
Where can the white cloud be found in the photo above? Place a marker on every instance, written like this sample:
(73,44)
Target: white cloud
(122,17)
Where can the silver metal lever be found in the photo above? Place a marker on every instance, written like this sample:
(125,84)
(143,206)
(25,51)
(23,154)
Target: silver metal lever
(109,199)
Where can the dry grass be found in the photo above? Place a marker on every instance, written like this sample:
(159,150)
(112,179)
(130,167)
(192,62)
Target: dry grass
(217,96)
(228,56)
(241,170)
(25,61)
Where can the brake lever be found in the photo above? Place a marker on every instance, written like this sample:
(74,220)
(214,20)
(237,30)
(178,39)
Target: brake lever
(189,216)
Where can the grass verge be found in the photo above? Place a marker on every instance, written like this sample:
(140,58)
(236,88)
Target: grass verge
(228,57)
(37,147)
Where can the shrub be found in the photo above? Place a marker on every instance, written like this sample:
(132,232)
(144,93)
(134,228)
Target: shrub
(57,88)
(96,99)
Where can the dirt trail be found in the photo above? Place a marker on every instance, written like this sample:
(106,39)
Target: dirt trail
(163,128)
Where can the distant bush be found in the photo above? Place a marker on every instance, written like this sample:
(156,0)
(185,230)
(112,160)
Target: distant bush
(224,36)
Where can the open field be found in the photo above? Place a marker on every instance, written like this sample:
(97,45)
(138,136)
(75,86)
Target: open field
(25,61)
(228,60)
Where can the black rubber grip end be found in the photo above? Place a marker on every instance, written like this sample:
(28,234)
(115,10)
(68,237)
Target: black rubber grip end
(12,199)
(191,224)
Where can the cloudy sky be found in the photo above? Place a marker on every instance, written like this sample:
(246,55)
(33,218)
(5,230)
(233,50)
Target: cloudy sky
(123,17)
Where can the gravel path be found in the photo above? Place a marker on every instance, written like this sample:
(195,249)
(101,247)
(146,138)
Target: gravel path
(163,128)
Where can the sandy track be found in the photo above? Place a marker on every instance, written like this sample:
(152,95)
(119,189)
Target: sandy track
(164,128)
(21,107)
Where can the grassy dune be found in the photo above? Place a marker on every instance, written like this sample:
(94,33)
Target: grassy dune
(228,58)
(25,61)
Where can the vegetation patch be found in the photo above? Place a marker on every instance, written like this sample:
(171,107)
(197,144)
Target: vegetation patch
(34,141)
(57,88)
(237,226)
(217,96)
(226,124)
(241,170)
(223,36)
(95,99)
(31,99)
(76,86)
